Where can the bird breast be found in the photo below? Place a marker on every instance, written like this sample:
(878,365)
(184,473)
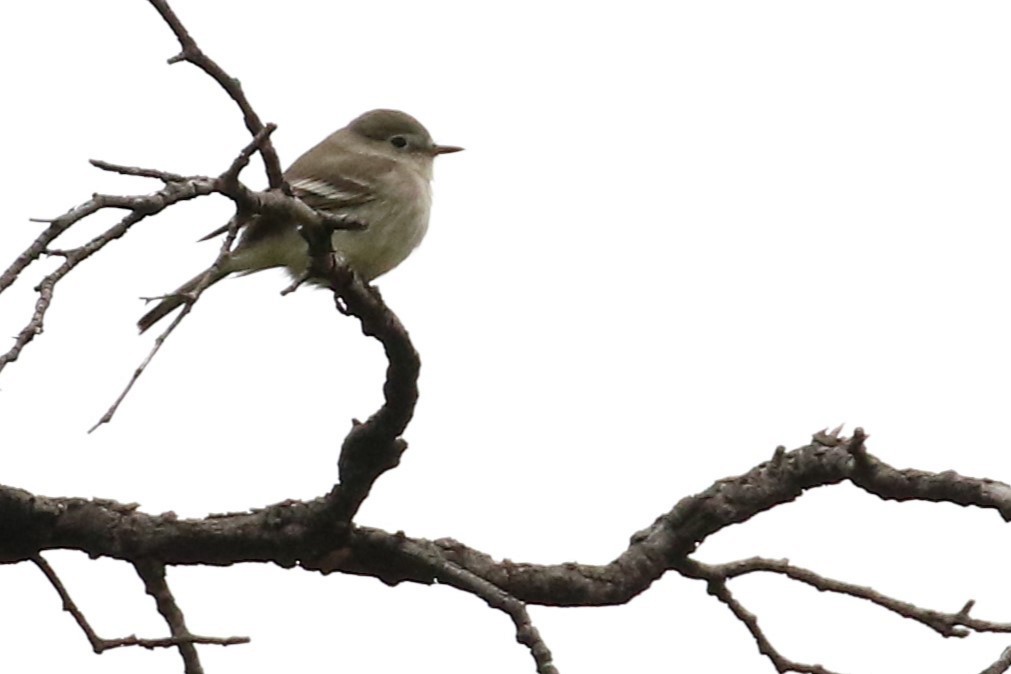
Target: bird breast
(396,223)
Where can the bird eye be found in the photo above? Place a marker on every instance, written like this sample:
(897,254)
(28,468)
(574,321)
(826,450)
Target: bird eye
(399,141)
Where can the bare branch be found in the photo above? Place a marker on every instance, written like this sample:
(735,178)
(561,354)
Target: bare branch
(284,533)
(193,54)
(229,180)
(956,624)
(100,645)
(68,604)
(164,176)
(309,534)
(677,533)
(140,207)
(153,575)
(430,555)
(1001,665)
(375,446)
(719,589)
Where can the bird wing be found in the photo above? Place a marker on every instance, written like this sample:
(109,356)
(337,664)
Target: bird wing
(334,194)
(338,181)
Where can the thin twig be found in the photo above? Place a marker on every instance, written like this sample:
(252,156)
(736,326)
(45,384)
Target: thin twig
(230,178)
(153,574)
(718,589)
(164,176)
(958,624)
(140,207)
(192,53)
(449,573)
(227,179)
(99,644)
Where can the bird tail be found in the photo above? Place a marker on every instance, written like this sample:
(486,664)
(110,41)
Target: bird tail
(176,299)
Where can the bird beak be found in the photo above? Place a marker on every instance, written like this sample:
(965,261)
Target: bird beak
(445,149)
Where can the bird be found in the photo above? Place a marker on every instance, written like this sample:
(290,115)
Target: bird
(375,172)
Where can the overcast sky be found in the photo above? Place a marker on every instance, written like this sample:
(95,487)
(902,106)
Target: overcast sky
(682,234)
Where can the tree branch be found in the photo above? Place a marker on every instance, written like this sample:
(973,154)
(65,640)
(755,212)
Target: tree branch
(228,183)
(958,624)
(100,645)
(1001,665)
(718,588)
(306,534)
(431,556)
(192,53)
(153,574)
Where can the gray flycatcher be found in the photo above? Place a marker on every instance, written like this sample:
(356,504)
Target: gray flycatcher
(376,171)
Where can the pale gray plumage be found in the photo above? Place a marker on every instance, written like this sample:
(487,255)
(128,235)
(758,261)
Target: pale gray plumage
(376,171)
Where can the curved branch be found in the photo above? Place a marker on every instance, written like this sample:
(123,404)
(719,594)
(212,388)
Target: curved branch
(430,555)
(312,535)
(289,533)
(192,53)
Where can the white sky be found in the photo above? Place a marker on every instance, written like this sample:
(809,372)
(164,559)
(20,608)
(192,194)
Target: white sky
(682,234)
